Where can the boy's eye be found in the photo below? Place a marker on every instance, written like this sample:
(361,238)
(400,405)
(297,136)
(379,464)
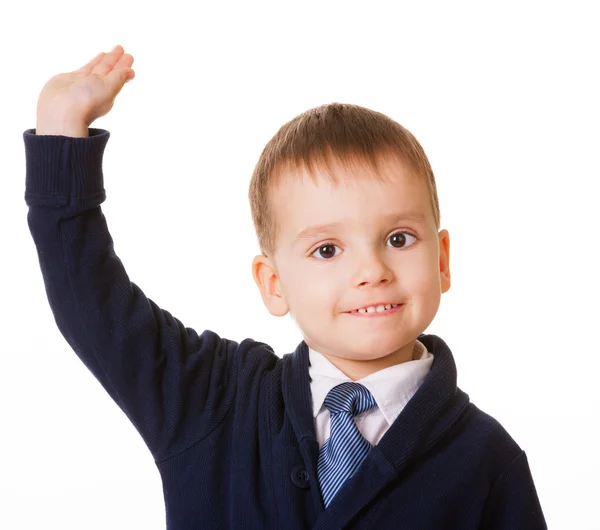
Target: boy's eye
(398,241)
(328,252)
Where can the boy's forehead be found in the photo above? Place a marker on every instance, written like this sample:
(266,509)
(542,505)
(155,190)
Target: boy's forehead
(343,176)
(301,202)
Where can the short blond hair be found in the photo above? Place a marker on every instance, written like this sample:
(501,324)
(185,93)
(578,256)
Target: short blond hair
(339,131)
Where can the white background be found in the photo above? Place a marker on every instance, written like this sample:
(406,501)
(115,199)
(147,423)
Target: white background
(504,99)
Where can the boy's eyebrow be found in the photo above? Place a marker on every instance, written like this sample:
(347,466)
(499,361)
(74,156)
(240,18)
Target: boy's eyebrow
(312,231)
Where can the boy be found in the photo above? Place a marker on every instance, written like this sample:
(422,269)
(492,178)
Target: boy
(362,426)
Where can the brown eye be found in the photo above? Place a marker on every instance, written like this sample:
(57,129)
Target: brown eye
(399,239)
(328,253)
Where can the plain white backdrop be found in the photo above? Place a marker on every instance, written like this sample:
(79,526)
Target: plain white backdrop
(504,99)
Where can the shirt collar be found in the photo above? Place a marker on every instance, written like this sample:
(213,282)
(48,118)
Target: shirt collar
(392,387)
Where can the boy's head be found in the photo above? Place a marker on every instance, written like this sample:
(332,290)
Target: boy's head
(369,180)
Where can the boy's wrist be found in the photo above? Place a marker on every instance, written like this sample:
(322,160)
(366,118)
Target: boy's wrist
(61,127)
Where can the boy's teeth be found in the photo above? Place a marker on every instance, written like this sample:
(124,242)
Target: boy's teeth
(378,309)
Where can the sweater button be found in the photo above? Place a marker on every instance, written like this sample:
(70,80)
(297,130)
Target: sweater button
(300,477)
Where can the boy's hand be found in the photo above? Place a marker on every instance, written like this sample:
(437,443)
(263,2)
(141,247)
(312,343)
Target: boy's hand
(69,103)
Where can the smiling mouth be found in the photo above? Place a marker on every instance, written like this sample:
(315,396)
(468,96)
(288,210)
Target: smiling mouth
(373,312)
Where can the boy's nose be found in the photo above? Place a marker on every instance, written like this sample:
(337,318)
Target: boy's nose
(372,271)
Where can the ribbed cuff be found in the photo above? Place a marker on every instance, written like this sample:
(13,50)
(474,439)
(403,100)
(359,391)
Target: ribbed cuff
(62,168)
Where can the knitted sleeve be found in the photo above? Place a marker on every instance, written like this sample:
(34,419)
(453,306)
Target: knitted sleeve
(171,382)
(513,503)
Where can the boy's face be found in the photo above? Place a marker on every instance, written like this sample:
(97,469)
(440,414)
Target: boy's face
(366,258)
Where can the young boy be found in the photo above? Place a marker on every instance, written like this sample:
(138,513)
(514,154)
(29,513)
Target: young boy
(363,425)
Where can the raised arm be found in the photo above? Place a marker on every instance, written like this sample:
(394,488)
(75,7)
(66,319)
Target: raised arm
(173,384)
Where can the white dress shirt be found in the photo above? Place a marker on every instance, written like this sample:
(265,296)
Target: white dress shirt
(392,388)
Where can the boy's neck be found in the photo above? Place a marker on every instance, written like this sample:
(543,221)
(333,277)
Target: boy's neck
(356,370)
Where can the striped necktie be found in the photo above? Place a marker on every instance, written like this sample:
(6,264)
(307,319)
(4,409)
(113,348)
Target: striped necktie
(345,449)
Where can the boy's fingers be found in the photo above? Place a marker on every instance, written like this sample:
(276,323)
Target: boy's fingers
(125,61)
(89,66)
(107,63)
(116,79)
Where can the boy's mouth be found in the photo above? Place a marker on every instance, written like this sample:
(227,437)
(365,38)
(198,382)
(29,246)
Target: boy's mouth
(376,309)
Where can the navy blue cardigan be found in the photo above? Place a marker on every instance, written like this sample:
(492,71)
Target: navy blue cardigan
(230,424)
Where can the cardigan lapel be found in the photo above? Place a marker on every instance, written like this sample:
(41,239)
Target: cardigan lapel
(298,404)
(430,414)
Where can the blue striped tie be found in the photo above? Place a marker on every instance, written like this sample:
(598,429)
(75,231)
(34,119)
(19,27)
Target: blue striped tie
(345,449)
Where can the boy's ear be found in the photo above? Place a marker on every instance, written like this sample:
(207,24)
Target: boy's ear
(444,238)
(266,277)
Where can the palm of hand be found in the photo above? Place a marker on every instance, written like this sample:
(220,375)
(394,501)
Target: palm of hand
(88,93)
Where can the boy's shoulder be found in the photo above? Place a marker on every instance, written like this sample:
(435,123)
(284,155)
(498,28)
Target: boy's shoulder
(487,441)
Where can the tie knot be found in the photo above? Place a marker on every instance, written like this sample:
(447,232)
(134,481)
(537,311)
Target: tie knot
(349,397)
